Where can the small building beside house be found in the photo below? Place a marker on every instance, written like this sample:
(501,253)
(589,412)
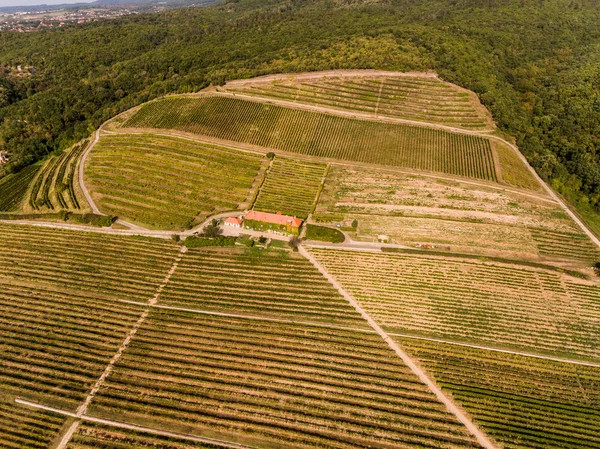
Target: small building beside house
(234,222)
(278,223)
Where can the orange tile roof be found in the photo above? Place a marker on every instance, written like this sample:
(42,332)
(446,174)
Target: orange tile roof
(234,220)
(278,218)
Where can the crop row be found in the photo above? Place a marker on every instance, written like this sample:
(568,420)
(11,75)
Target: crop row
(57,176)
(97,436)
(13,188)
(519,401)
(168,183)
(280,384)
(127,268)
(266,284)
(291,187)
(22,427)
(322,135)
(489,303)
(381,97)
(55,344)
(562,245)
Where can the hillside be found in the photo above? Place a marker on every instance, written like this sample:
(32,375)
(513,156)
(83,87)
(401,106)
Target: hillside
(535,67)
(442,296)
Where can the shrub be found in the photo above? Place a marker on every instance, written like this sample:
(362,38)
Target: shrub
(323,234)
(198,242)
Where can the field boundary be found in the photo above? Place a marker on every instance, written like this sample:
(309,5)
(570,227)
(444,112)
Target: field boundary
(83,407)
(122,425)
(437,391)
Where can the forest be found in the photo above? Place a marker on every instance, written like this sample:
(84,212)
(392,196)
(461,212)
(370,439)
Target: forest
(534,63)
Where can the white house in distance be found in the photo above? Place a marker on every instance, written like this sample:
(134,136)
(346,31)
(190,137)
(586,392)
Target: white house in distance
(234,222)
(3,157)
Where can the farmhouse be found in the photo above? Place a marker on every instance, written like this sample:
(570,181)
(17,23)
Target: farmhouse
(234,222)
(264,221)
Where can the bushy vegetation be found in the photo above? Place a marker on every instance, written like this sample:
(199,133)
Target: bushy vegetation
(323,135)
(324,234)
(198,242)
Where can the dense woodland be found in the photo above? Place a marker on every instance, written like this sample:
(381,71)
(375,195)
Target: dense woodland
(534,63)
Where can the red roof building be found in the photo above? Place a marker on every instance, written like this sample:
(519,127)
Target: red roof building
(291,224)
(234,221)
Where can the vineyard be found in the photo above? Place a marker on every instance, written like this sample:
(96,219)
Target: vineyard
(25,428)
(13,188)
(56,185)
(417,210)
(322,135)
(60,322)
(96,436)
(268,385)
(521,402)
(467,300)
(415,98)
(168,183)
(272,284)
(291,187)
(514,171)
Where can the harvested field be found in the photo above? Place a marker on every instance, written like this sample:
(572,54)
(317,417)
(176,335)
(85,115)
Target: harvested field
(322,135)
(291,187)
(274,284)
(268,385)
(519,401)
(168,183)
(500,305)
(420,99)
(22,427)
(465,216)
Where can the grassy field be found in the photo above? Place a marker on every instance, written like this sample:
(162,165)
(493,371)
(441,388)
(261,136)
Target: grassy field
(25,428)
(168,183)
(274,385)
(513,170)
(13,188)
(97,436)
(56,186)
(274,284)
(321,135)
(416,98)
(474,301)
(449,213)
(291,187)
(521,402)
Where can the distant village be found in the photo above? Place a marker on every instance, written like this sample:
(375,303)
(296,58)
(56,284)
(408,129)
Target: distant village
(29,22)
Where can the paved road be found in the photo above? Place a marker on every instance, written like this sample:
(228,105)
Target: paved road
(450,405)
(84,156)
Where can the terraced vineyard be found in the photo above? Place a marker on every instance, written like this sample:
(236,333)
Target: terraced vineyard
(412,98)
(467,300)
(22,427)
(519,401)
(291,187)
(168,183)
(256,283)
(93,436)
(55,187)
(13,188)
(269,384)
(322,135)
